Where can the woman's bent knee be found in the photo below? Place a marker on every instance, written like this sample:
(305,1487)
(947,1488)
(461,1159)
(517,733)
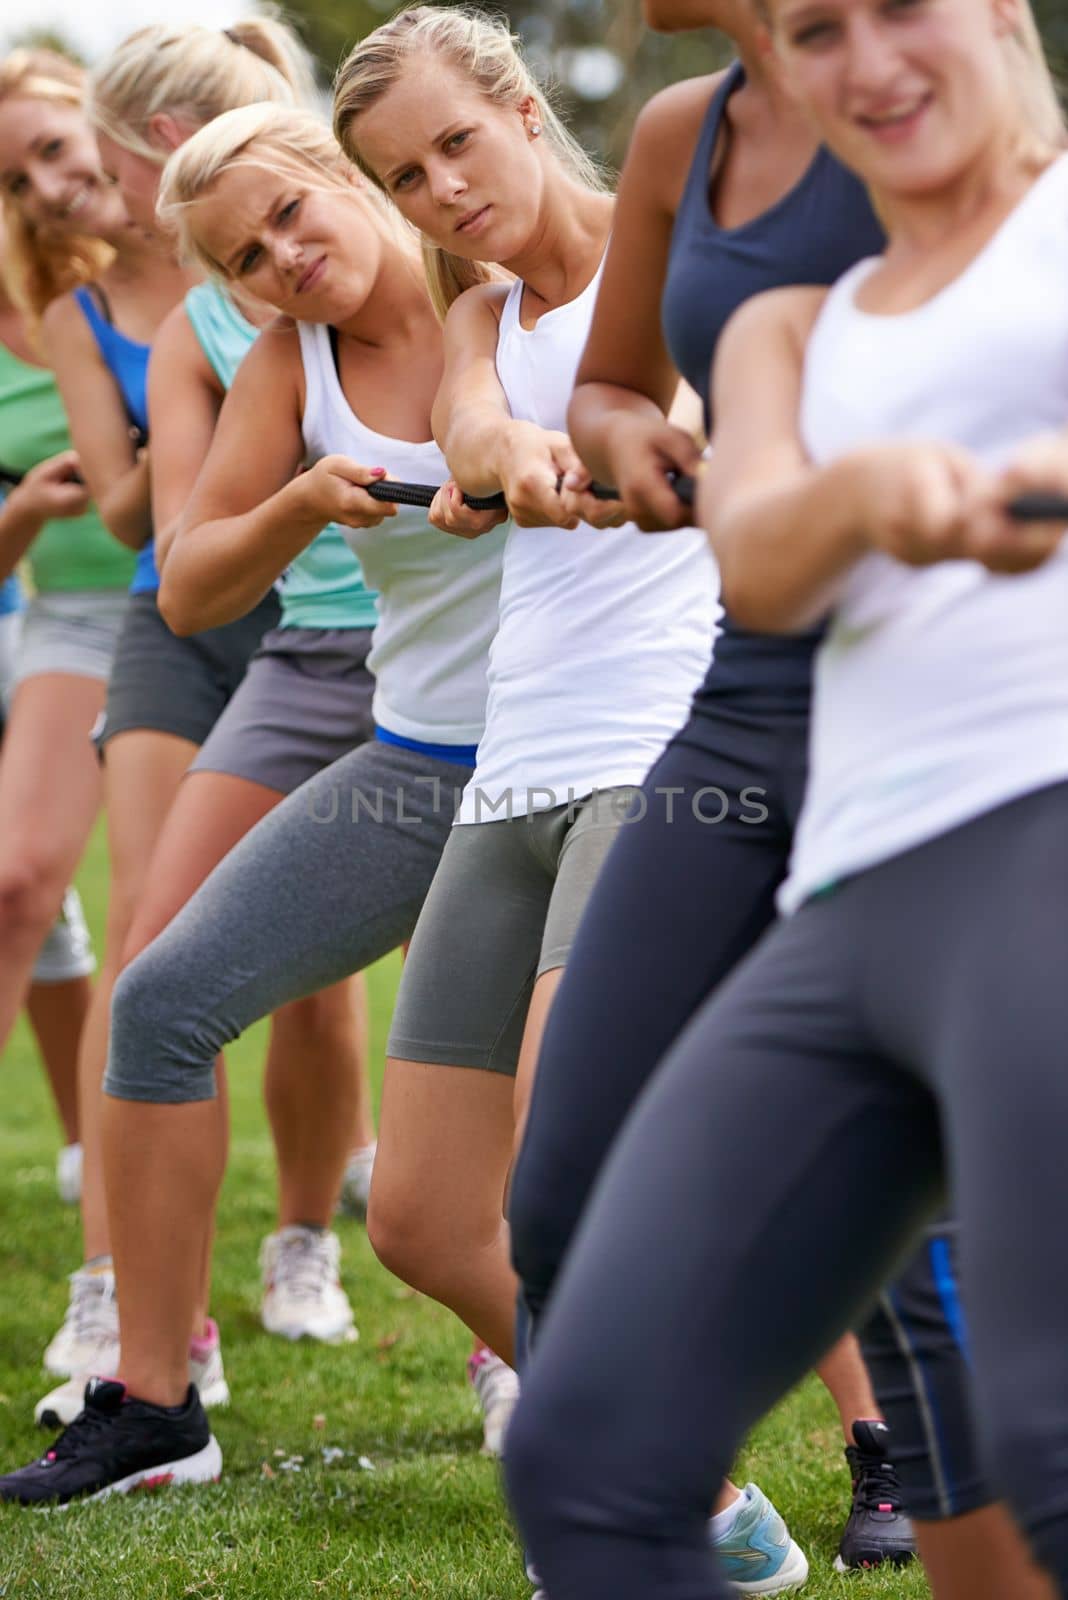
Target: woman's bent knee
(31,894)
(155,1054)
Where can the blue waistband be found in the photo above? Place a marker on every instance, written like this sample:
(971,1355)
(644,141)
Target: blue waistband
(462,755)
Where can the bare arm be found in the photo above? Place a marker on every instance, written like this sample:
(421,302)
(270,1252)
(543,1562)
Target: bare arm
(184,400)
(251,511)
(784,532)
(100,429)
(627,382)
(486,448)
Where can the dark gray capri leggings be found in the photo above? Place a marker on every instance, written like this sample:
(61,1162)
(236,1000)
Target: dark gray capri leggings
(330,881)
(686,891)
(908,1026)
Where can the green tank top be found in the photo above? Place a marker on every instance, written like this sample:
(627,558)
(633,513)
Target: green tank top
(72,553)
(323,587)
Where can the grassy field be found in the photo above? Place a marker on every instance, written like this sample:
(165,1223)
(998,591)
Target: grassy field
(408,1508)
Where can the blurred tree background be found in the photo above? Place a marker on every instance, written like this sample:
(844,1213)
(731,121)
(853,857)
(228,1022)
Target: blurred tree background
(603,62)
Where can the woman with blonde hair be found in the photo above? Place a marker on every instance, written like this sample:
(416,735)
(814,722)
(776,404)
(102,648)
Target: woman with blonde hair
(62,224)
(334,876)
(905,1017)
(40,492)
(167,693)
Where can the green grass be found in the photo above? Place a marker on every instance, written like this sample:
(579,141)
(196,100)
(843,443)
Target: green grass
(411,1508)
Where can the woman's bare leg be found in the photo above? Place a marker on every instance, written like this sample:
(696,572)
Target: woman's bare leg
(50,792)
(57,1013)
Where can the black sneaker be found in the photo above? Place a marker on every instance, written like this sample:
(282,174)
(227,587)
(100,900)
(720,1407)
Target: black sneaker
(116,1445)
(877,1529)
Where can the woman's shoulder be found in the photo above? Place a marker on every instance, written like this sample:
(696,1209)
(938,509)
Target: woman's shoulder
(65,326)
(669,125)
(479,308)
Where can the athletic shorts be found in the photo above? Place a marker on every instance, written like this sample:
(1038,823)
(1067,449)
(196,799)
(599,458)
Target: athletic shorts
(503,908)
(304,702)
(67,951)
(74,633)
(163,684)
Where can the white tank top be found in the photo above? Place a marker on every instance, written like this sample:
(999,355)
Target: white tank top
(940,692)
(438,595)
(604,634)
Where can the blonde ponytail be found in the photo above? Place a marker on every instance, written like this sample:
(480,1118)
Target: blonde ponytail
(197,73)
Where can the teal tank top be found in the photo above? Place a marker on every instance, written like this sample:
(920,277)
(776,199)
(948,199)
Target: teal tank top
(323,587)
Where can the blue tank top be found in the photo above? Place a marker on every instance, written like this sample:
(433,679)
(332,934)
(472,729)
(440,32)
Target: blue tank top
(127,361)
(814,234)
(10,596)
(323,586)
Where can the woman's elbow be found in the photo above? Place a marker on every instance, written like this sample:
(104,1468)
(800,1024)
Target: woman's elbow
(758,606)
(176,609)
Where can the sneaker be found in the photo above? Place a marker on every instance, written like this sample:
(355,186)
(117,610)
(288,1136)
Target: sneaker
(61,1405)
(497,1388)
(877,1529)
(88,1340)
(206,1368)
(118,1444)
(69,1174)
(356,1184)
(757,1553)
(302,1293)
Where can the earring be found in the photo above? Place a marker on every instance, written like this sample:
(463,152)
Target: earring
(535,129)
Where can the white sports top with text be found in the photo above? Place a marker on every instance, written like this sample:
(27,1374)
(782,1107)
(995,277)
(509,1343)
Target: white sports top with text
(437,594)
(604,634)
(940,692)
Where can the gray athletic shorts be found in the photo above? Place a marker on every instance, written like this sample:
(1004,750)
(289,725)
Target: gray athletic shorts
(303,703)
(503,908)
(163,684)
(74,633)
(67,951)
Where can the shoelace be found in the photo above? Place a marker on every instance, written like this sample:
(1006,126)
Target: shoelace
(89,1314)
(877,1487)
(85,1426)
(305,1265)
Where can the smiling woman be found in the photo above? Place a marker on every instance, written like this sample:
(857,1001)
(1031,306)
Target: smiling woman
(50,178)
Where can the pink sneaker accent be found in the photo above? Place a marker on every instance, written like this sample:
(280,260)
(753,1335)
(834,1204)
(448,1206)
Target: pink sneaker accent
(201,1347)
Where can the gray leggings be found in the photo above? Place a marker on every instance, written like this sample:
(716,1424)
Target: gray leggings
(909,1026)
(328,882)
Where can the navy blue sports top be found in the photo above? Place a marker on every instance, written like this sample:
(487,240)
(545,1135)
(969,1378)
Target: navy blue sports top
(811,236)
(127,361)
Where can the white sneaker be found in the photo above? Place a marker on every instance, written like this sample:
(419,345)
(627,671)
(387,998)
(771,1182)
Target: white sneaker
(497,1388)
(61,1405)
(69,1174)
(88,1340)
(302,1293)
(206,1368)
(356,1184)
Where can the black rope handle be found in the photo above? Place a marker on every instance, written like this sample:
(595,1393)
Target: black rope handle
(684,486)
(1039,508)
(10,479)
(422,494)
(1025,508)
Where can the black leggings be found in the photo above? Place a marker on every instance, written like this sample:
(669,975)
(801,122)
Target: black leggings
(908,1026)
(680,901)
